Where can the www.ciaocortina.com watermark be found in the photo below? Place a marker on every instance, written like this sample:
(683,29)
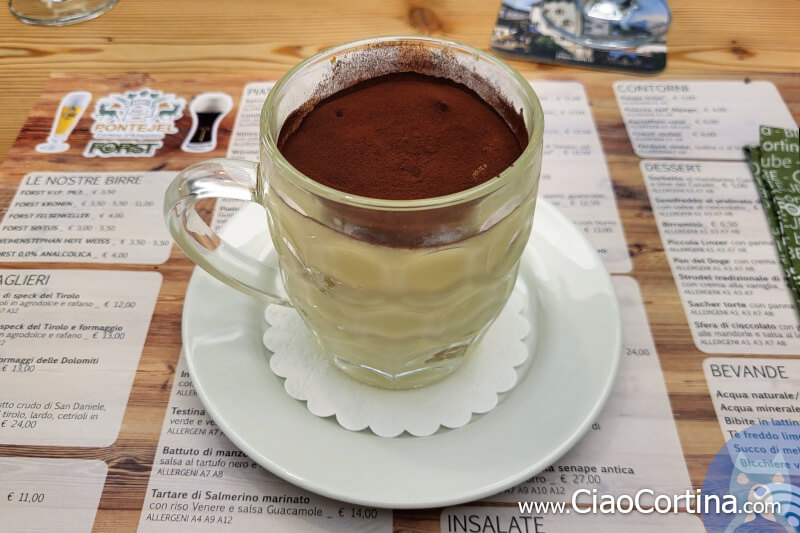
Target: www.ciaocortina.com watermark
(752,486)
(646,501)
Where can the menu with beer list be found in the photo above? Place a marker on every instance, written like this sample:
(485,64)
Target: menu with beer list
(574,175)
(633,444)
(698,119)
(70,342)
(124,412)
(87,217)
(723,257)
(507,520)
(746,392)
(202,482)
(49,495)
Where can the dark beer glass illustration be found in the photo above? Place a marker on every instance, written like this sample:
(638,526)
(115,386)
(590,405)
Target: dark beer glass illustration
(207,111)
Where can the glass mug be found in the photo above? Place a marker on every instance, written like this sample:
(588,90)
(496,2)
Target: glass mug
(58,12)
(396,292)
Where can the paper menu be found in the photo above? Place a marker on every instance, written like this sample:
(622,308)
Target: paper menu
(49,495)
(698,119)
(574,175)
(70,343)
(633,444)
(748,391)
(244,142)
(201,482)
(722,257)
(87,217)
(244,136)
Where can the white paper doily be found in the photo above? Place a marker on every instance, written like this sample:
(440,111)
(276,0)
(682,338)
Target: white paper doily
(327,391)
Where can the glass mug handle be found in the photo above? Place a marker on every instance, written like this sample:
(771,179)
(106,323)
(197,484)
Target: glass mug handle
(220,179)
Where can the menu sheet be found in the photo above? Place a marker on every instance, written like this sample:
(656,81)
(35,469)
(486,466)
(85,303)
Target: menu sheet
(202,482)
(746,392)
(511,520)
(49,495)
(574,173)
(87,217)
(61,386)
(698,119)
(70,342)
(633,444)
(723,257)
(244,142)
(575,176)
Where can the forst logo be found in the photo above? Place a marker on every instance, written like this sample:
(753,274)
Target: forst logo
(760,468)
(124,148)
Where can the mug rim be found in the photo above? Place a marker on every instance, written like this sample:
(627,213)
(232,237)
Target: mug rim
(482,189)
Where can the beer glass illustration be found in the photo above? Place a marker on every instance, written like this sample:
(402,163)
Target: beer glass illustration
(207,110)
(58,12)
(69,113)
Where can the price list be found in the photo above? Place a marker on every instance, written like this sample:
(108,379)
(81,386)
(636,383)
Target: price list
(106,217)
(201,482)
(49,495)
(746,392)
(244,136)
(70,342)
(574,175)
(723,257)
(243,143)
(698,119)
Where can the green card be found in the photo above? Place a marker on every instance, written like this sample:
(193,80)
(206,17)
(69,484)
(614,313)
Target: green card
(777,176)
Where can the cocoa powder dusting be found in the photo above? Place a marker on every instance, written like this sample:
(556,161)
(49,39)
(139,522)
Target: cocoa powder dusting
(401,136)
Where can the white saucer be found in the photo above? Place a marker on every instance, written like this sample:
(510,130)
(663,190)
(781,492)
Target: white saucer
(557,399)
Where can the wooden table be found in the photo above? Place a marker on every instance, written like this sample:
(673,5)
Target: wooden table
(261,39)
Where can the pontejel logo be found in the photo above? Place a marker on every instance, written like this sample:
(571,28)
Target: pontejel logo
(134,123)
(760,468)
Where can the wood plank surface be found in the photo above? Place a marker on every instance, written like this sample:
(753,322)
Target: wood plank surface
(259,40)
